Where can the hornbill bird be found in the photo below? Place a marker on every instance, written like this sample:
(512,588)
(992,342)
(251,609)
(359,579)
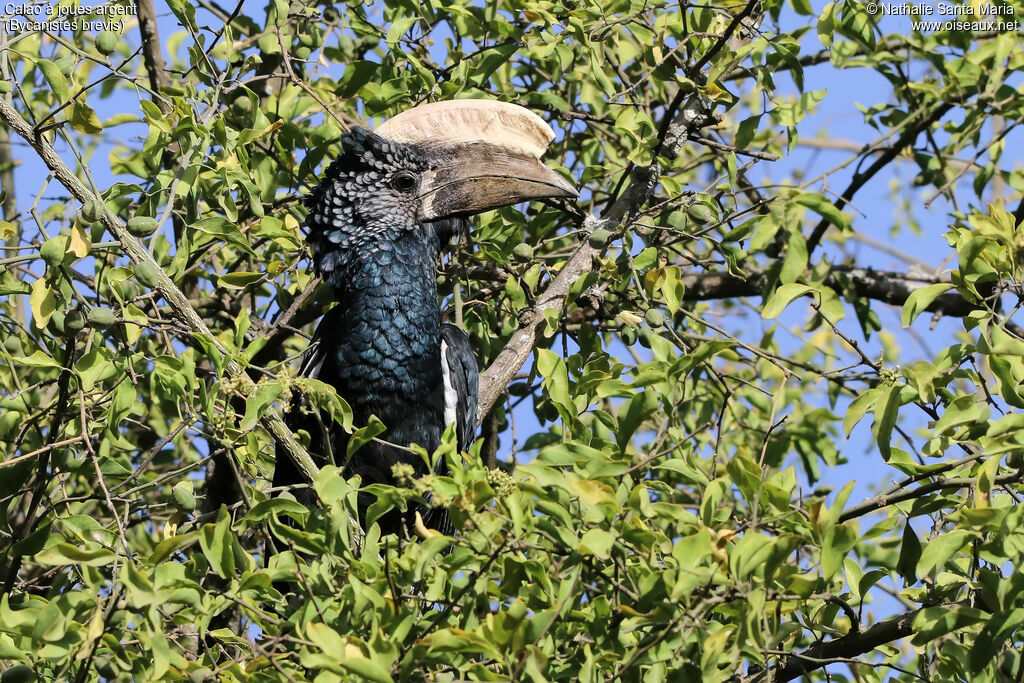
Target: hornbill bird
(377,222)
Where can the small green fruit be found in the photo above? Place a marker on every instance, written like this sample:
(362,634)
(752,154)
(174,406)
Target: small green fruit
(105,668)
(19,673)
(13,346)
(129,289)
(92,211)
(677,219)
(142,226)
(523,252)
(302,52)
(699,213)
(65,66)
(101,318)
(645,336)
(54,250)
(654,318)
(599,238)
(106,42)
(74,321)
(146,273)
(57,323)
(628,334)
(184,496)
(5,87)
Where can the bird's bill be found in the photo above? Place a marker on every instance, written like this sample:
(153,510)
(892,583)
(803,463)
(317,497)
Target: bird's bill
(480,177)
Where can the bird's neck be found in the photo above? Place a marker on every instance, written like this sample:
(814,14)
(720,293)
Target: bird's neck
(388,326)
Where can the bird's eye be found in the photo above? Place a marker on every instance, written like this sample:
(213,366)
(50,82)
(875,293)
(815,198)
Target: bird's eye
(403,181)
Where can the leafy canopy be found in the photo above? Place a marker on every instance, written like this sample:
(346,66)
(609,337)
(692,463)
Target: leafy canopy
(660,491)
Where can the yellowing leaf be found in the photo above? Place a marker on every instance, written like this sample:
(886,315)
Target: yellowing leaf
(247,136)
(592,492)
(135,320)
(84,119)
(79,243)
(43,303)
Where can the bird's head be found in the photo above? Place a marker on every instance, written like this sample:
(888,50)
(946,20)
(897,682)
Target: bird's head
(423,170)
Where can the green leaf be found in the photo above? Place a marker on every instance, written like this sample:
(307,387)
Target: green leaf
(839,540)
(398,28)
(216,542)
(941,548)
(746,130)
(826,24)
(256,405)
(860,406)
(166,547)
(965,410)
(221,227)
(357,74)
(824,208)
(154,116)
(910,555)
(365,435)
(491,60)
(597,542)
(58,83)
(885,420)
(919,301)
(38,359)
(239,280)
(795,263)
(9,651)
(94,366)
(64,553)
(463,642)
(367,669)
(1000,627)
(556,380)
(933,622)
(782,297)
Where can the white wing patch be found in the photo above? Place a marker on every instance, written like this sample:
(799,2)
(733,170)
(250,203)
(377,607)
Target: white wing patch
(311,366)
(451,397)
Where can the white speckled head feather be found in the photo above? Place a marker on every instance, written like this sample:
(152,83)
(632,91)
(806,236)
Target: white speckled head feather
(515,128)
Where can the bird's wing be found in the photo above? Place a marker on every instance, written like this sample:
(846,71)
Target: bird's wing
(461,383)
(313,358)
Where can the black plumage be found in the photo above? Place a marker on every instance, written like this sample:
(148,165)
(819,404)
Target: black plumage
(377,223)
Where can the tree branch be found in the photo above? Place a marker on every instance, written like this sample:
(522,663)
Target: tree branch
(885,286)
(496,378)
(674,130)
(862,177)
(179,304)
(152,57)
(885,500)
(851,645)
